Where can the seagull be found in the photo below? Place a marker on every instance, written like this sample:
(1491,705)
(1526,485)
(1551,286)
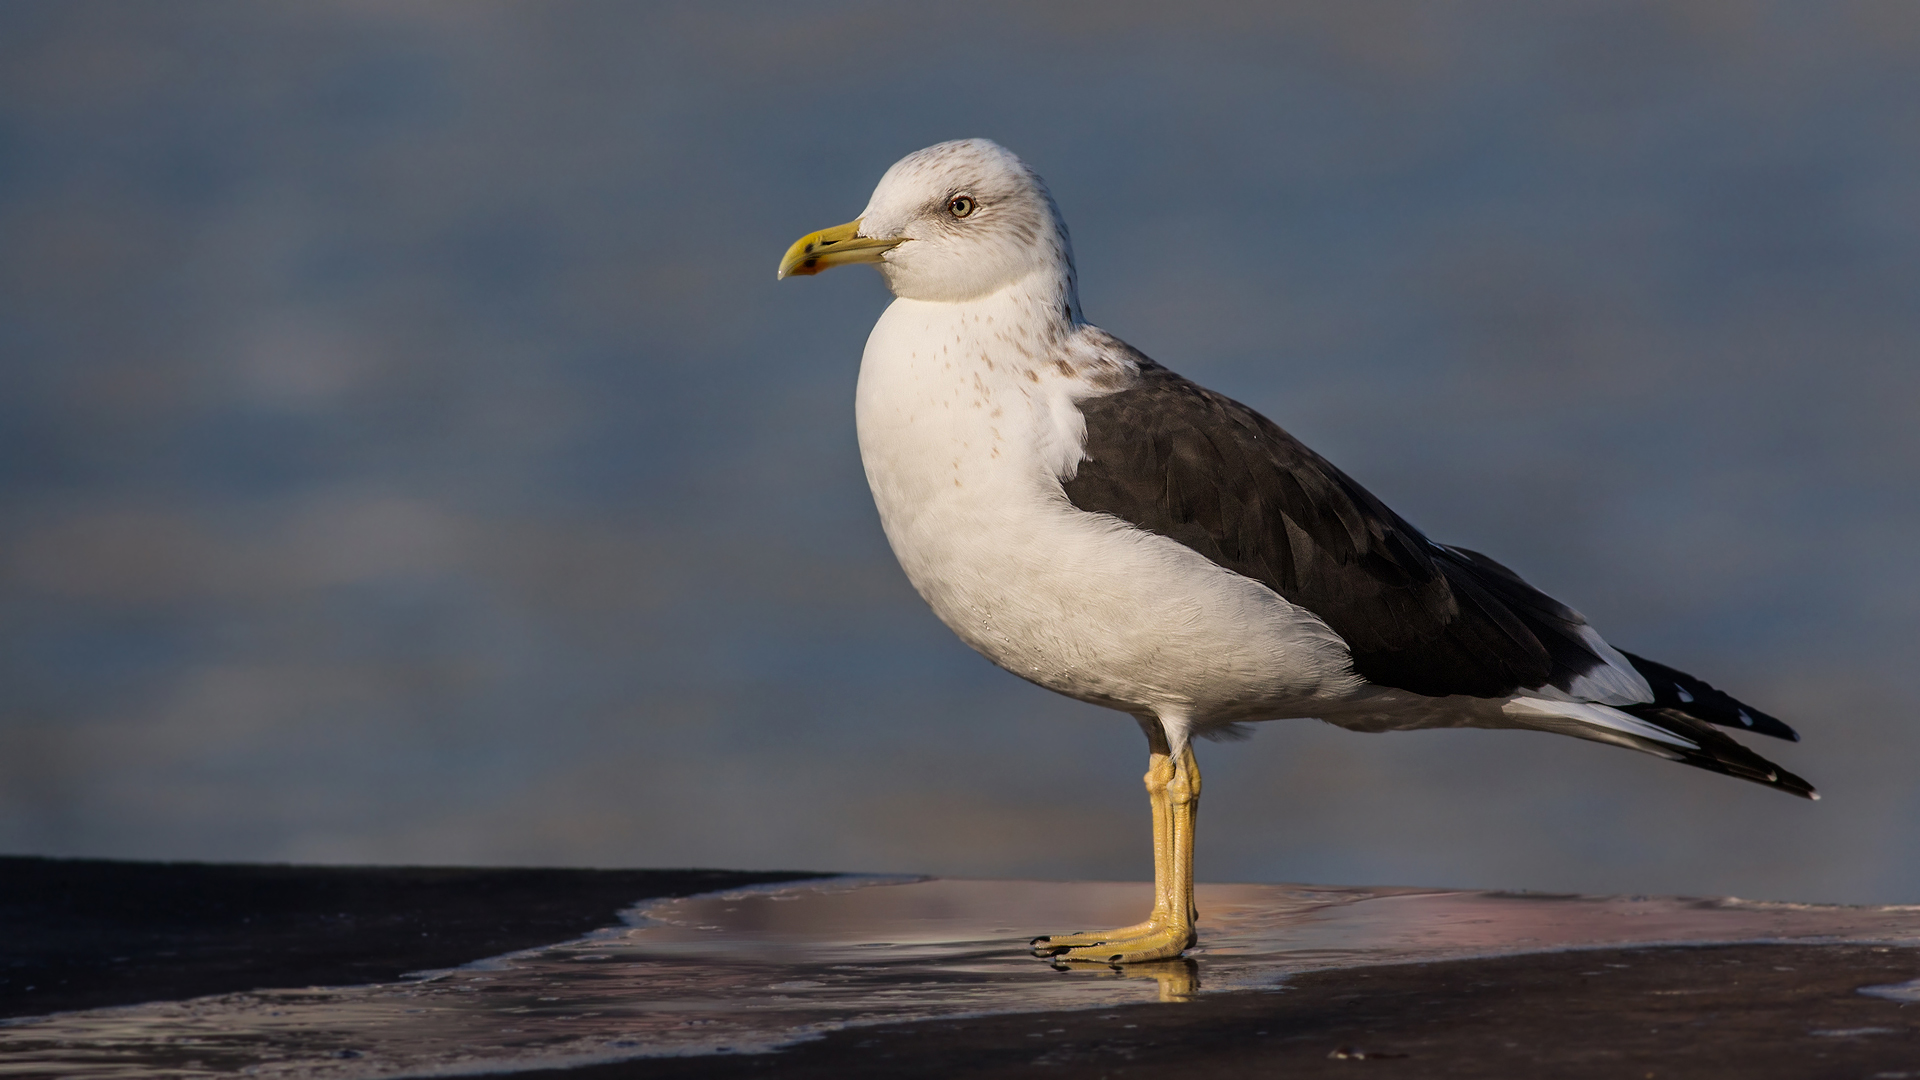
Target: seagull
(1100,526)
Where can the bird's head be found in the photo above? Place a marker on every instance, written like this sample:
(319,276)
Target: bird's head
(953,222)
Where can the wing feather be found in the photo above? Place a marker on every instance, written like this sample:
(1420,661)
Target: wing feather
(1171,457)
(1176,459)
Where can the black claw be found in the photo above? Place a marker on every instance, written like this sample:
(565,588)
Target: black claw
(1114,959)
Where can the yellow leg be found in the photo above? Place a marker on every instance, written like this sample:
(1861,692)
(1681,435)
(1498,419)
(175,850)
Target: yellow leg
(1173,790)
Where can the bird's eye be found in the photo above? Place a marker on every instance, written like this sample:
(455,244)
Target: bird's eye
(960,205)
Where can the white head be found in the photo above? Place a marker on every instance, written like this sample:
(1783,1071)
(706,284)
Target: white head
(951,223)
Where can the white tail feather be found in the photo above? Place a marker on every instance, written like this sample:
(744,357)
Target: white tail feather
(1591,721)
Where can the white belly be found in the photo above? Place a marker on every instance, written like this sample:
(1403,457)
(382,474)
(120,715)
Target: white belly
(964,436)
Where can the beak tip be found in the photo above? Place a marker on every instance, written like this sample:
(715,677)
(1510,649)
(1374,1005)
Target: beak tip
(837,246)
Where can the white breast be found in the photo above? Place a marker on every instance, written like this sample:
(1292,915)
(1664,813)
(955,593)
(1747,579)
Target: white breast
(967,422)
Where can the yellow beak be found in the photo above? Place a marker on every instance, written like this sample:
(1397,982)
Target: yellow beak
(837,246)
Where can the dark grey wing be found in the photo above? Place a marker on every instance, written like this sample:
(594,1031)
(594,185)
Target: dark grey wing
(1179,460)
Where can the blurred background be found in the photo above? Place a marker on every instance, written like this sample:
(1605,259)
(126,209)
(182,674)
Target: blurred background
(407,455)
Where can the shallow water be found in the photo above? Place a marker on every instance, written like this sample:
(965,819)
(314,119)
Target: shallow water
(760,968)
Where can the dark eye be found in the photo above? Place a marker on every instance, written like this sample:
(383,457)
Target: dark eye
(960,205)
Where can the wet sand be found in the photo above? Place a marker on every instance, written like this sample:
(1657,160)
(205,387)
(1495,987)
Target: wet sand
(84,934)
(1755,1012)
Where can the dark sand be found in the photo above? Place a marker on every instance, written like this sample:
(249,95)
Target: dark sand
(1748,1011)
(84,933)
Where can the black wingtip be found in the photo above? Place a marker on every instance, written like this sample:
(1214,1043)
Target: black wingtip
(1676,690)
(1729,758)
(1794,785)
(1716,752)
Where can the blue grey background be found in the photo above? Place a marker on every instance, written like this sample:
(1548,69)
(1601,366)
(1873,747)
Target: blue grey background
(406,453)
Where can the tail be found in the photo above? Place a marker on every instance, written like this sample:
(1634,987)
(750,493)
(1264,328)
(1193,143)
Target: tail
(1678,724)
